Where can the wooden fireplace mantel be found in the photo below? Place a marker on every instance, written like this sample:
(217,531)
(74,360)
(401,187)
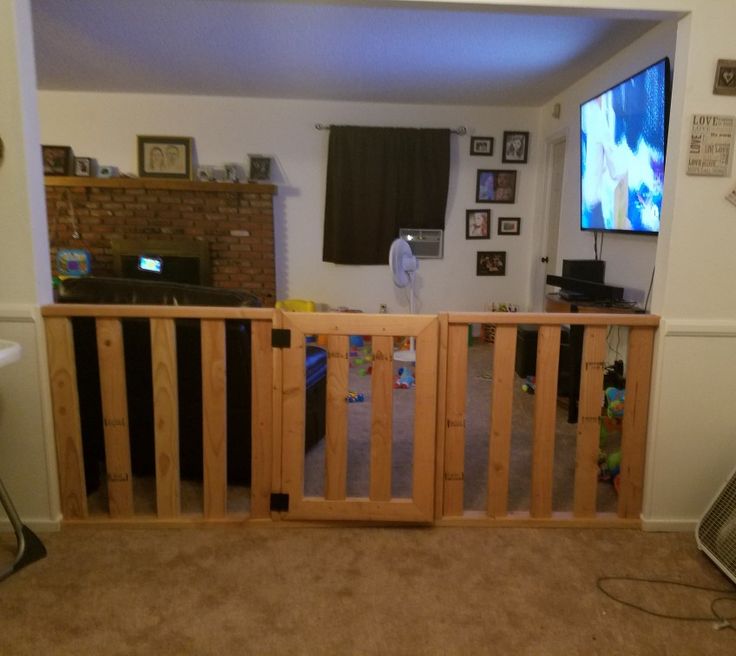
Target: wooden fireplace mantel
(159,183)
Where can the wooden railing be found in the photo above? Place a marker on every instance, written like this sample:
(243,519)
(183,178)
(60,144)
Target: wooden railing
(449,507)
(277,428)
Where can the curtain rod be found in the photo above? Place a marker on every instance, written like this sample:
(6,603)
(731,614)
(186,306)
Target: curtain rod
(459,130)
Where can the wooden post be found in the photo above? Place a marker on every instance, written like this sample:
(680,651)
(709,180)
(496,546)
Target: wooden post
(634,428)
(67,425)
(457,374)
(381,417)
(439,468)
(166,417)
(262,436)
(214,415)
(336,438)
(499,450)
(294,403)
(115,416)
(588,430)
(545,413)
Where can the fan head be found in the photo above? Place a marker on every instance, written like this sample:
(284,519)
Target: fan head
(403,263)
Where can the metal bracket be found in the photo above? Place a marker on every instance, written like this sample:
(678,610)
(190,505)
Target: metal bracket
(280,338)
(279,502)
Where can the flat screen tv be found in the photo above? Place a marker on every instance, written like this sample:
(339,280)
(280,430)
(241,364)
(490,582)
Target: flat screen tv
(623,134)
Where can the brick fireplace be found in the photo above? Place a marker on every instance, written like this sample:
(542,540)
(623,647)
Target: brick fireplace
(234,220)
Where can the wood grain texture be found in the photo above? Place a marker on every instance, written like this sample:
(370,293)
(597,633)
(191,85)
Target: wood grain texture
(439,466)
(115,416)
(355,323)
(456,399)
(262,433)
(154,183)
(545,413)
(499,450)
(214,418)
(156,311)
(588,429)
(635,419)
(277,362)
(166,417)
(381,418)
(336,426)
(554,318)
(425,416)
(293,411)
(67,425)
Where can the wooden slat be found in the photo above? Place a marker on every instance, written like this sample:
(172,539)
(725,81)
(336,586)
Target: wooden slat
(166,417)
(499,451)
(545,412)
(612,318)
(336,427)
(588,430)
(346,323)
(439,467)
(425,412)
(457,373)
(293,411)
(277,410)
(214,418)
(67,426)
(156,311)
(634,426)
(381,418)
(115,416)
(261,403)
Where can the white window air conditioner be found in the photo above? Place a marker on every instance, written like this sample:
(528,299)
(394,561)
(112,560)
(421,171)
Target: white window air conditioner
(425,244)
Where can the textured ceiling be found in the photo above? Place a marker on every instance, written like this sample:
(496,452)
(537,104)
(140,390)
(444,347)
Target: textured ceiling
(372,52)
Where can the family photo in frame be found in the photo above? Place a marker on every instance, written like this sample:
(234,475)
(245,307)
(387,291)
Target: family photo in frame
(477,224)
(165,157)
(491,263)
(494,186)
(481,146)
(509,225)
(515,147)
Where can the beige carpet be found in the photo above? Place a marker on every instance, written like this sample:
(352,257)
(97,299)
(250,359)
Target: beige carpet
(354,591)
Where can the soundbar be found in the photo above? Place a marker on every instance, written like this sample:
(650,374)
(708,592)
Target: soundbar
(574,289)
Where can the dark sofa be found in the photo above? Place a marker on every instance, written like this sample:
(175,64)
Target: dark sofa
(139,385)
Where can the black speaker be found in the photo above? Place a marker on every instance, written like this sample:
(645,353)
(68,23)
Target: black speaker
(590,270)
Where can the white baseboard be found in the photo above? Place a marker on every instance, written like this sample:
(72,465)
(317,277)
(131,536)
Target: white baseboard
(669,525)
(36,525)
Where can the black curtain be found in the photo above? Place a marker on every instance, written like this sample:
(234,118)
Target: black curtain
(380,180)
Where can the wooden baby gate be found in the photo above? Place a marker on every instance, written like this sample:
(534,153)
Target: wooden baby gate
(278,342)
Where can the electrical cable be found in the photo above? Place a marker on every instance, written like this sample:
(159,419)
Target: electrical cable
(649,291)
(723,621)
(595,244)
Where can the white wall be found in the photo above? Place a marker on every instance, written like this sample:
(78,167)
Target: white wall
(105,126)
(27,461)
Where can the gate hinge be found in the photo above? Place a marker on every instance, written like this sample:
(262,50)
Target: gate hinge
(279,502)
(280,338)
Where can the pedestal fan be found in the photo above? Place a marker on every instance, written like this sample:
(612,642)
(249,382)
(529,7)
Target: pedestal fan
(404,265)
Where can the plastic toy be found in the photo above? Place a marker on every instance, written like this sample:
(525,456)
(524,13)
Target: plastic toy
(530,385)
(405,379)
(355,397)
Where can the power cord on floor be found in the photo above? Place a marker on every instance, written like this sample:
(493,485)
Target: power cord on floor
(720,621)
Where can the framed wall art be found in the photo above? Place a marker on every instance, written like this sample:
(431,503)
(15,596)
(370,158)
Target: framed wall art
(83,167)
(57,160)
(515,147)
(509,225)
(725,83)
(260,168)
(481,145)
(494,186)
(165,157)
(490,263)
(477,224)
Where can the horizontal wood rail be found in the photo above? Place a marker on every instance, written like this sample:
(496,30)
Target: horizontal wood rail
(449,501)
(277,421)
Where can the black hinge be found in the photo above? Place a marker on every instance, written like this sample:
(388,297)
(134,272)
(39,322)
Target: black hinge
(280,338)
(279,502)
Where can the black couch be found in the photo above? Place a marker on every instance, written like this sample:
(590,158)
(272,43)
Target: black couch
(139,384)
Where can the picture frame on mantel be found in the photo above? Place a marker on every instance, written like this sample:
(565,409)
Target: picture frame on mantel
(57,160)
(165,157)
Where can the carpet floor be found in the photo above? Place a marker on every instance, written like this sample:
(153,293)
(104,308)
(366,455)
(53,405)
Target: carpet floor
(337,590)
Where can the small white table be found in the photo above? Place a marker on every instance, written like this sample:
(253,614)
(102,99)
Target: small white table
(30,548)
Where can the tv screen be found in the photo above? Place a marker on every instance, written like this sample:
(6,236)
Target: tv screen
(623,133)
